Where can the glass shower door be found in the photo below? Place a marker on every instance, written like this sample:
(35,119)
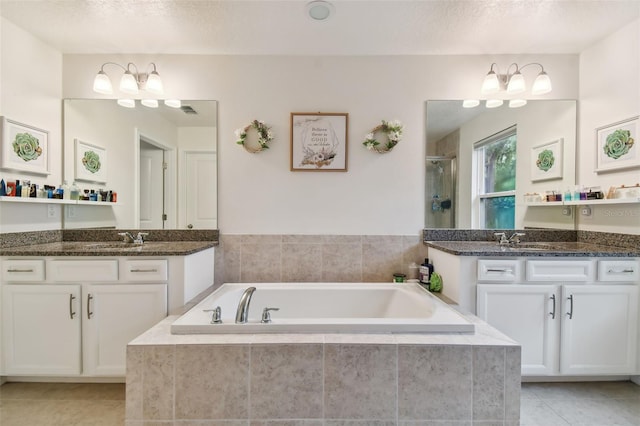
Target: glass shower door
(440,192)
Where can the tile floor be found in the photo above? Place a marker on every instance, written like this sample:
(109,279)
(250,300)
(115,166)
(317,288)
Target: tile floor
(542,404)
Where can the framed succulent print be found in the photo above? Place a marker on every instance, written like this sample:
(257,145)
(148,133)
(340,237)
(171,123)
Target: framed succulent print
(617,146)
(24,148)
(90,162)
(546,161)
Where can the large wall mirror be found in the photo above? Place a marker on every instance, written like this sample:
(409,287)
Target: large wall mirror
(161,162)
(453,167)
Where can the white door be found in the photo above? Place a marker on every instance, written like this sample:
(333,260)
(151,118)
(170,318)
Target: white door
(41,329)
(530,315)
(599,329)
(151,187)
(201,209)
(115,314)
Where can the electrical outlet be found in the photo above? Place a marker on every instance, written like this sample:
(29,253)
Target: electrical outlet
(51,210)
(71,211)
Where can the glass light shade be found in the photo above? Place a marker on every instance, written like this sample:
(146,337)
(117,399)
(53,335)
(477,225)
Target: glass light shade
(102,83)
(173,103)
(541,85)
(491,84)
(494,103)
(470,103)
(150,103)
(516,83)
(128,83)
(154,84)
(127,103)
(517,103)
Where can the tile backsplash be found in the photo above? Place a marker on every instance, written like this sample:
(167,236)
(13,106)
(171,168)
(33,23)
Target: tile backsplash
(316,258)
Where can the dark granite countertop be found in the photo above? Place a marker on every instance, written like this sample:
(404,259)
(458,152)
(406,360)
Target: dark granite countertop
(540,249)
(109,248)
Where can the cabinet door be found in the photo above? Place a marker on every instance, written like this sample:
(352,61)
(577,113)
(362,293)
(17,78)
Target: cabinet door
(529,314)
(41,329)
(599,329)
(114,314)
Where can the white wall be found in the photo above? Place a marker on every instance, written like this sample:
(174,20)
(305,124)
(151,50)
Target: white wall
(31,82)
(609,92)
(380,194)
(537,123)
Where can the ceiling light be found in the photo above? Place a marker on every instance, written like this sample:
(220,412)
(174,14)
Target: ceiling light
(127,103)
(150,103)
(470,103)
(494,103)
(131,82)
(319,10)
(517,103)
(173,103)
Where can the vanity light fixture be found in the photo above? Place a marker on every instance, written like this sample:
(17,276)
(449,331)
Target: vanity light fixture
(513,81)
(494,103)
(131,82)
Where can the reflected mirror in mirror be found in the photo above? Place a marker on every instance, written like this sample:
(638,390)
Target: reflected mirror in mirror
(161,162)
(454,167)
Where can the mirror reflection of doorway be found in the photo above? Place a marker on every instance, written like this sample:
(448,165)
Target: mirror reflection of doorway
(199,207)
(152,185)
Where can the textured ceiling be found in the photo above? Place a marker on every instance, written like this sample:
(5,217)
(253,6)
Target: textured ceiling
(360,27)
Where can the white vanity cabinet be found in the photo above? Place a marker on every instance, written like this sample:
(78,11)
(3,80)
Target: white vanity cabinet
(567,321)
(41,329)
(77,318)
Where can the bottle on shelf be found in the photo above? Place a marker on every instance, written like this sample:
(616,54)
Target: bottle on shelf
(66,193)
(74,191)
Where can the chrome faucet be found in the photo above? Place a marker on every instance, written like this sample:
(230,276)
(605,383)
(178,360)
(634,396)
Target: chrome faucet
(505,241)
(138,239)
(242,313)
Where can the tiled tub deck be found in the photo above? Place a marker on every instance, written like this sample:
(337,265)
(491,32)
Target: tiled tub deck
(323,379)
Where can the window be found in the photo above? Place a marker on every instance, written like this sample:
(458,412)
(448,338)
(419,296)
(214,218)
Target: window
(496,184)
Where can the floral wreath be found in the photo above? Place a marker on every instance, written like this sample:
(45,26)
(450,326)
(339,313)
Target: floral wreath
(265,135)
(393,131)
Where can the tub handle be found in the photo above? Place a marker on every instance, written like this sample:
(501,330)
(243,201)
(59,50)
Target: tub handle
(266,315)
(216,316)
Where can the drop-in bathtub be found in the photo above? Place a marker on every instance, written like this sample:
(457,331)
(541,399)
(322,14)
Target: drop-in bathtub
(326,308)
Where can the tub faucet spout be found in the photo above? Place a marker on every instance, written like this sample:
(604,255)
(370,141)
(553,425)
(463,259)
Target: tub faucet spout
(242,313)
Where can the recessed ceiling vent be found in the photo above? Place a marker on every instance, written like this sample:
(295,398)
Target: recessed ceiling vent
(187,109)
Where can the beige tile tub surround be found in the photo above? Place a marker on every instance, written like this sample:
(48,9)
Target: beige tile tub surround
(316,379)
(316,258)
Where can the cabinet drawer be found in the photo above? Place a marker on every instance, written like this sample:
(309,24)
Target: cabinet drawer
(498,270)
(22,270)
(618,270)
(144,270)
(560,270)
(83,270)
